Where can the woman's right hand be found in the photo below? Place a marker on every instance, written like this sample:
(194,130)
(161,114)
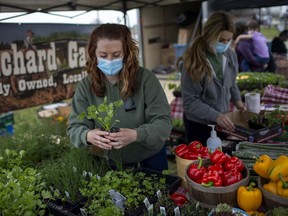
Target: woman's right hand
(96,138)
(225,122)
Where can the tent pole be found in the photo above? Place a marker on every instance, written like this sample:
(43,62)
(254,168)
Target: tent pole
(124,9)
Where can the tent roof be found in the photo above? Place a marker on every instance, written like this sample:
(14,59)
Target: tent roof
(45,6)
(31,6)
(243,4)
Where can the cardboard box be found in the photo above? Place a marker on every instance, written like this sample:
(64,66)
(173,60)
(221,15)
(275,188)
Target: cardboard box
(168,56)
(184,35)
(243,132)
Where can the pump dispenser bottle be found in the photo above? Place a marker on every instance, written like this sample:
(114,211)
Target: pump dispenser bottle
(213,141)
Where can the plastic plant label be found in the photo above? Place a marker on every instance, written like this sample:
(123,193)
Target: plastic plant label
(147,203)
(177,211)
(118,199)
(159,194)
(150,210)
(162,211)
(83,212)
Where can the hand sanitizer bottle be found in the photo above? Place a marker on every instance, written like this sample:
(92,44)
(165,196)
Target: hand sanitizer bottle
(213,141)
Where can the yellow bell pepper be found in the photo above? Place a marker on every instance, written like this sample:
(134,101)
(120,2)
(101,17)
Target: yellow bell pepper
(280,165)
(262,165)
(256,213)
(282,186)
(249,198)
(271,187)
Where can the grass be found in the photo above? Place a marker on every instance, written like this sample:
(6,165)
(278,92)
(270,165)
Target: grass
(270,33)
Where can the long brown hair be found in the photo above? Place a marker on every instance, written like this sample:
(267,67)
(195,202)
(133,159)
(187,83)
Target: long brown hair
(195,60)
(131,62)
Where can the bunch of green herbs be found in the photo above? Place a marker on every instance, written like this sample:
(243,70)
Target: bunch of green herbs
(104,113)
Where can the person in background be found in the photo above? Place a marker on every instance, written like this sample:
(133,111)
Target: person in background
(244,49)
(208,79)
(278,43)
(28,42)
(145,122)
(260,48)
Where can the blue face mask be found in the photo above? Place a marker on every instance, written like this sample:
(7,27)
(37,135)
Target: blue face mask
(110,68)
(221,47)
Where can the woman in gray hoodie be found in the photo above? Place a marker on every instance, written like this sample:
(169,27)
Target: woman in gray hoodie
(209,69)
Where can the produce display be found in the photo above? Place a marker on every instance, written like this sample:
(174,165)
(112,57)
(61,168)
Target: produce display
(268,161)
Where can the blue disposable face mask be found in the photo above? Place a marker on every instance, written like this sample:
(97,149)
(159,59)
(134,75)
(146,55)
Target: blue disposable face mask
(222,47)
(110,68)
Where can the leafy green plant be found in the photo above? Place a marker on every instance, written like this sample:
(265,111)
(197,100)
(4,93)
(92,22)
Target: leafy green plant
(279,211)
(104,113)
(178,123)
(134,186)
(23,190)
(269,118)
(256,81)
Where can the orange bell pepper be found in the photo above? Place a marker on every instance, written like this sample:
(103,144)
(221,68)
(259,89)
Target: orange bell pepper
(271,187)
(262,165)
(249,198)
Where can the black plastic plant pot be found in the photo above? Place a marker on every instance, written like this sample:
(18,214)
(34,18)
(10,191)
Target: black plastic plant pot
(177,93)
(112,130)
(255,126)
(63,208)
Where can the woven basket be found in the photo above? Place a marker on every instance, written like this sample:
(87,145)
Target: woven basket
(271,200)
(210,197)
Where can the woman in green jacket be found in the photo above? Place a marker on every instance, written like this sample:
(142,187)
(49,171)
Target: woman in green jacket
(114,72)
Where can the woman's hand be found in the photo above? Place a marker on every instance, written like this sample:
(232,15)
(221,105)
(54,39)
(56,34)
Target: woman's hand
(122,138)
(240,106)
(97,138)
(225,122)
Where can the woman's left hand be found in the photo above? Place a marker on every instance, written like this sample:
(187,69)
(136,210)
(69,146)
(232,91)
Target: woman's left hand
(122,138)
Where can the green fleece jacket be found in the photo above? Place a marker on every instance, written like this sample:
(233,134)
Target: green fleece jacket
(151,119)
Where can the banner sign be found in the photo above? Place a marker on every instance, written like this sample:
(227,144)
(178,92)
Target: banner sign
(40,63)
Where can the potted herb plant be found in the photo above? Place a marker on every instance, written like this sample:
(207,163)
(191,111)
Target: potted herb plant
(104,114)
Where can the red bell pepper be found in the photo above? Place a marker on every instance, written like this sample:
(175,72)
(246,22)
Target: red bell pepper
(218,157)
(234,163)
(211,178)
(179,199)
(205,155)
(218,168)
(231,177)
(196,146)
(180,150)
(196,171)
(191,155)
